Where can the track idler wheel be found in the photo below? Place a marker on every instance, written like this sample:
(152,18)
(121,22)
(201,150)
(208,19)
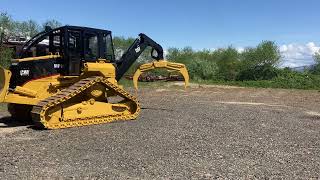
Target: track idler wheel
(97,92)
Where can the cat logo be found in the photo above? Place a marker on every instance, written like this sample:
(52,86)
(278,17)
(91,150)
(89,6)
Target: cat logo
(24,72)
(138,49)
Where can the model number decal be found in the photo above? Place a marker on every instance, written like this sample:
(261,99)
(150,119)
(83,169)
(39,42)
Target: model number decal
(57,66)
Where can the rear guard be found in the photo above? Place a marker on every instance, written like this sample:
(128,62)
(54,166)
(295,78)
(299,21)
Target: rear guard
(5,76)
(170,66)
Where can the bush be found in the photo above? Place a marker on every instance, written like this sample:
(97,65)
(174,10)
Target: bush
(202,70)
(206,64)
(259,63)
(263,72)
(5,57)
(227,63)
(297,80)
(286,79)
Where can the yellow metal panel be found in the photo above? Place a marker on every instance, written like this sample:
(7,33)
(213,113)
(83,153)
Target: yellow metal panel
(33,91)
(44,86)
(106,69)
(5,76)
(18,99)
(25,91)
(37,58)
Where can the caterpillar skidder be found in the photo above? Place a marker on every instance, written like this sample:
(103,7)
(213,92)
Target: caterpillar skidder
(65,77)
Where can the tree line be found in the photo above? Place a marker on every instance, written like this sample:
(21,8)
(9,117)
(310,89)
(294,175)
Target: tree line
(11,29)
(254,66)
(258,63)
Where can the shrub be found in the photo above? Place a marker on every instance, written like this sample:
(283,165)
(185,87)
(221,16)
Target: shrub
(5,57)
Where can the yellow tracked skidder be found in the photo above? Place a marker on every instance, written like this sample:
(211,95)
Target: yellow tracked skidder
(66,76)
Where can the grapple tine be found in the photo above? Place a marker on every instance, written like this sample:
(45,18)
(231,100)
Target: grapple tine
(136,78)
(185,75)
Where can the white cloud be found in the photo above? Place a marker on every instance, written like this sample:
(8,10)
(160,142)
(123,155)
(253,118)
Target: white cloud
(295,55)
(240,49)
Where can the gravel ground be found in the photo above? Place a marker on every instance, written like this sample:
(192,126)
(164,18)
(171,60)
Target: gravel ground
(207,132)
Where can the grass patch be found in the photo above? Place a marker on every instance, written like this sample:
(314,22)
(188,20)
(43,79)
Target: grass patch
(308,83)
(291,80)
(276,84)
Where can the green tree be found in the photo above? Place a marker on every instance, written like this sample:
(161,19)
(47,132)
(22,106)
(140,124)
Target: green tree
(316,68)
(121,44)
(260,63)
(6,31)
(200,69)
(52,23)
(6,26)
(185,55)
(11,29)
(228,63)
(202,65)
(317,57)
(29,28)
(5,57)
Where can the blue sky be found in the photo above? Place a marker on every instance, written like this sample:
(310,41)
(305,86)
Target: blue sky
(292,24)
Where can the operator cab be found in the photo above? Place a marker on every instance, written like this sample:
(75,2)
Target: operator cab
(72,46)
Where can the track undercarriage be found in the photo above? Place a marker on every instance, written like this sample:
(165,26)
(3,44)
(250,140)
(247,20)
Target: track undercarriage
(78,105)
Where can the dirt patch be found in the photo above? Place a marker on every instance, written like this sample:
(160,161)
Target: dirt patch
(4,130)
(252,104)
(198,133)
(313,115)
(195,85)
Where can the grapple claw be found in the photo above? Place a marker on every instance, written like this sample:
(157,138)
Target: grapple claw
(170,66)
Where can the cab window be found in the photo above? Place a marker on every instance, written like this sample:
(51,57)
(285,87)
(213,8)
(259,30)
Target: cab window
(39,49)
(107,41)
(49,44)
(91,46)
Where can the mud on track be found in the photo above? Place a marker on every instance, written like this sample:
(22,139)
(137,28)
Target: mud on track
(204,132)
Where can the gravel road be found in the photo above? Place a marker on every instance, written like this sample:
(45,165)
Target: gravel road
(207,132)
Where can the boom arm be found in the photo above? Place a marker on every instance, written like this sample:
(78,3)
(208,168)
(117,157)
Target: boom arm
(134,51)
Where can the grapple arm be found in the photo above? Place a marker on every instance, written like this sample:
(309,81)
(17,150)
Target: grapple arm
(170,66)
(134,51)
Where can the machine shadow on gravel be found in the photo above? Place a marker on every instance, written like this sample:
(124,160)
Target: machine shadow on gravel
(8,121)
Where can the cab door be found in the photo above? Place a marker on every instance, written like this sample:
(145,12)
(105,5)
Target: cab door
(91,46)
(74,50)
